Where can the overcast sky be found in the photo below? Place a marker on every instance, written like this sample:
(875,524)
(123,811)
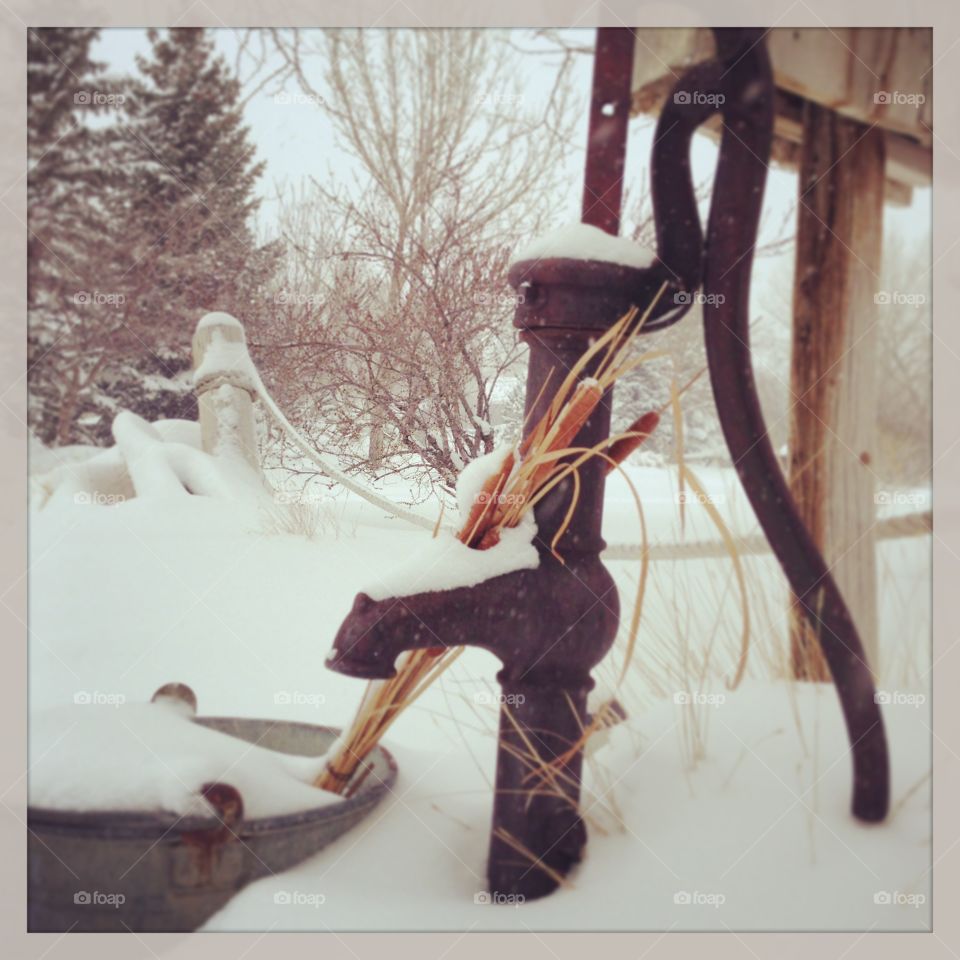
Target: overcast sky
(296,140)
(295,137)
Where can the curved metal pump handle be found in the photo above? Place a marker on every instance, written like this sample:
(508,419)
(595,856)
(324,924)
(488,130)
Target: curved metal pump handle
(679,260)
(739,84)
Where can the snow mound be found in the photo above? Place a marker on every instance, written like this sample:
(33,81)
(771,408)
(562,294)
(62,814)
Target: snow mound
(445,563)
(148,460)
(474,475)
(151,757)
(219,319)
(43,459)
(226,360)
(580,241)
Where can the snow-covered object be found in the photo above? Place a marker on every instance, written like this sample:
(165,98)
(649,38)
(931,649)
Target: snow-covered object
(224,358)
(225,381)
(474,475)
(219,319)
(232,433)
(444,563)
(580,241)
(222,365)
(44,459)
(149,460)
(157,468)
(101,478)
(125,600)
(88,474)
(152,757)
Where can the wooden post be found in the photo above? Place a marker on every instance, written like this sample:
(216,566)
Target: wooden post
(225,382)
(833,380)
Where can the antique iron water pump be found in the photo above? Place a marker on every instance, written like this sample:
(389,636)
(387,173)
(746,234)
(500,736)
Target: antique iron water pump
(551,625)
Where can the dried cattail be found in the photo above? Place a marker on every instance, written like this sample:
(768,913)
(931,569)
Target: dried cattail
(485,504)
(574,415)
(632,438)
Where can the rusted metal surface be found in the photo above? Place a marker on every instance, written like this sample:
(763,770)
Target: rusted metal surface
(731,235)
(607,136)
(550,626)
(179,692)
(209,847)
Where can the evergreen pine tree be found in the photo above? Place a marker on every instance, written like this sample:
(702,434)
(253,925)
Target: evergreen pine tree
(188,208)
(70,170)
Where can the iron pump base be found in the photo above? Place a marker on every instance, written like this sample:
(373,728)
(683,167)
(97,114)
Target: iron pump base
(549,626)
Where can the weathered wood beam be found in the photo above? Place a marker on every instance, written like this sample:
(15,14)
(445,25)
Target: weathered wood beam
(873,75)
(833,382)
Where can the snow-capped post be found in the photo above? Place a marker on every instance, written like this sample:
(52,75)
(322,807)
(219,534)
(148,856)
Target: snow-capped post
(225,383)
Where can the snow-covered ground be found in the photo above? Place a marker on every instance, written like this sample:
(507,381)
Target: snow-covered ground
(708,809)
